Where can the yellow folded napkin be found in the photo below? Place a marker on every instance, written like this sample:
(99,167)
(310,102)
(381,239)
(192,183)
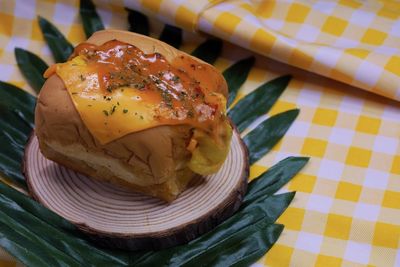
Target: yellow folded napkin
(355,42)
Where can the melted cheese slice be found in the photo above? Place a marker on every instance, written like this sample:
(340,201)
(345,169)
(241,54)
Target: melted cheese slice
(108,117)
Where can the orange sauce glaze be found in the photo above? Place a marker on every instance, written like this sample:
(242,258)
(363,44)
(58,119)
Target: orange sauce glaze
(173,87)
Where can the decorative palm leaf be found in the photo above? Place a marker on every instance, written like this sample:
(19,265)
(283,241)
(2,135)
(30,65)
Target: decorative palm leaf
(274,179)
(258,102)
(38,237)
(46,228)
(236,75)
(90,19)
(16,123)
(268,133)
(32,67)
(267,209)
(244,246)
(58,44)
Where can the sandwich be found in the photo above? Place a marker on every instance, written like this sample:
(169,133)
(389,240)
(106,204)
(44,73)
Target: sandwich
(133,111)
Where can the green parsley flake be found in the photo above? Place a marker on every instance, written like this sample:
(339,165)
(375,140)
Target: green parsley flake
(113,109)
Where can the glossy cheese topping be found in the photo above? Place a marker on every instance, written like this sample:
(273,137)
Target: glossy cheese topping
(117,89)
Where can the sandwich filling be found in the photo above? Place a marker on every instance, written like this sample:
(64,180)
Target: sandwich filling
(117,89)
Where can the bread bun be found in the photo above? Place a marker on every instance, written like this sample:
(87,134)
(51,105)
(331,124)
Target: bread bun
(153,161)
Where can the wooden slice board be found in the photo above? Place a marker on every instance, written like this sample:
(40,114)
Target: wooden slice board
(118,218)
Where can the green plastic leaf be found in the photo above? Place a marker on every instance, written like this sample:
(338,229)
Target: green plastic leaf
(45,215)
(98,257)
(13,134)
(13,141)
(49,253)
(24,118)
(236,75)
(14,98)
(44,234)
(16,245)
(49,225)
(9,170)
(10,162)
(16,123)
(12,158)
(268,238)
(171,35)
(18,129)
(138,22)
(209,51)
(258,102)
(260,140)
(254,239)
(274,178)
(268,208)
(263,202)
(32,68)
(13,121)
(90,19)
(36,209)
(181,254)
(58,44)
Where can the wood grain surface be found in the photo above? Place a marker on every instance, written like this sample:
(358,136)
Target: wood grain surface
(116,217)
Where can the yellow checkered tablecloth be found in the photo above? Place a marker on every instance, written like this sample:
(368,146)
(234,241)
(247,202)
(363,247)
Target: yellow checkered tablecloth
(347,209)
(355,42)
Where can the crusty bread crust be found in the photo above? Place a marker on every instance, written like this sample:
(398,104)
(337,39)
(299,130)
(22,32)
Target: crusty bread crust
(157,157)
